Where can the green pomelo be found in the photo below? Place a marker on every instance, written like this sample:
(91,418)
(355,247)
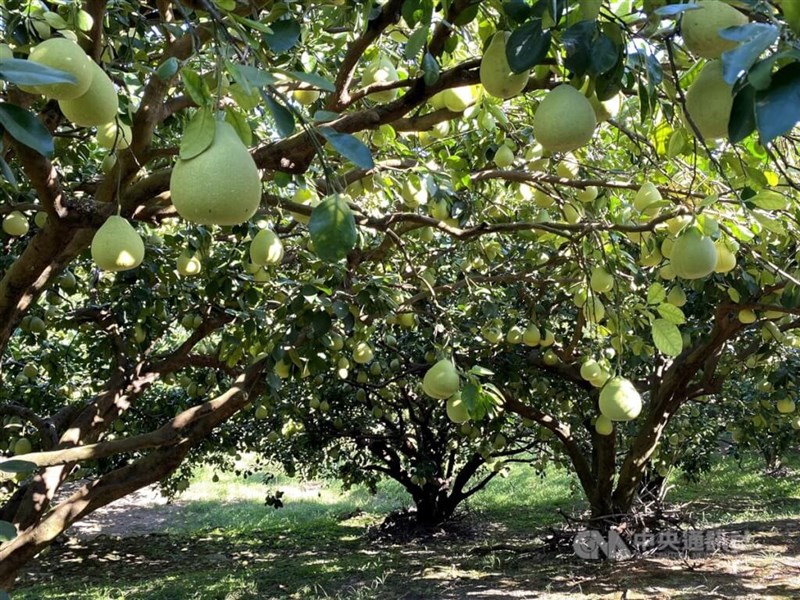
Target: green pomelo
(496,76)
(603,425)
(700,28)
(693,255)
(116,246)
(221,186)
(726,260)
(564,120)
(99,105)
(266,248)
(189,265)
(64,55)
(112,135)
(457,410)
(460,98)
(15,224)
(362,353)
(601,280)
(441,380)
(504,157)
(709,101)
(619,400)
(381,70)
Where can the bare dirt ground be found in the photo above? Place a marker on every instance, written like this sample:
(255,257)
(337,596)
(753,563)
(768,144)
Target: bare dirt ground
(141,513)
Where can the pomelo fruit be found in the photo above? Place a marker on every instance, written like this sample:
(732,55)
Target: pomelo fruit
(441,380)
(15,224)
(189,265)
(460,98)
(786,406)
(23,446)
(726,260)
(603,425)
(700,28)
(619,400)
(380,70)
(306,97)
(504,157)
(496,76)
(221,186)
(362,353)
(266,248)
(646,197)
(532,335)
(97,106)
(591,369)
(457,409)
(116,246)
(601,280)
(709,101)
(694,255)
(564,120)
(114,135)
(64,55)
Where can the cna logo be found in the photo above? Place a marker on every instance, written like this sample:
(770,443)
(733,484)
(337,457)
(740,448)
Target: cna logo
(590,544)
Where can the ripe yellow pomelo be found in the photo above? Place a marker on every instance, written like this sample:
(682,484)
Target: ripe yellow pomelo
(97,106)
(116,246)
(693,255)
(619,400)
(700,28)
(64,55)
(709,101)
(221,186)
(266,248)
(441,380)
(564,120)
(603,425)
(112,135)
(15,224)
(496,76)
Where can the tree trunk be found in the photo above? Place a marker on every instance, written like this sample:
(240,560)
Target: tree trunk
(433,505)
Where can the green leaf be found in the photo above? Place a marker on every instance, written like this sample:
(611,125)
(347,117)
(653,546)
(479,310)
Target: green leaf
(333,228)
(17,466)
(415,42)
(318,81)
(24,127)
(778,107)
(285,34)
(199,134)
(196,87)
(469,396)
(754,39)
(25,72)
(742,121)
(248,76)
(769,200)
(284,120)
(239,122)
(349,146)
(656,293)
(671,313)
(667,337)
(7,532)
(517,10)
(527,46)
(5,169)
(481,371)
(84,21)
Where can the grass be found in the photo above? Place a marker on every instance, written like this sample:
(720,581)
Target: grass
(225,544)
